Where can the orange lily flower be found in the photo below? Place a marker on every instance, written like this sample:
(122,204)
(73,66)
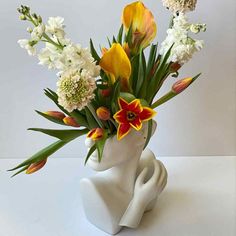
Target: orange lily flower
(131,115)
(116,64)
(143,25)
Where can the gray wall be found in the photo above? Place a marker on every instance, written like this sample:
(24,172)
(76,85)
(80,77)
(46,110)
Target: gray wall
(202,121)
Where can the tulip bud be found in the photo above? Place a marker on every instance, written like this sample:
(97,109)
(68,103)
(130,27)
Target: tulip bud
(106,92)
(96,134)
(36,166)
(70,121)
(103,113)
(181,85)
(55,114)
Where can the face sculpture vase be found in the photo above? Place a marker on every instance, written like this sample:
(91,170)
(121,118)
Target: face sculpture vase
(127,185)
(111,96)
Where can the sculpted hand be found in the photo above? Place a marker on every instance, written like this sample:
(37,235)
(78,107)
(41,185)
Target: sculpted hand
(145,192)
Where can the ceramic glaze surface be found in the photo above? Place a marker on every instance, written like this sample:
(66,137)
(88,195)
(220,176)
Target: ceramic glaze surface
(127,185)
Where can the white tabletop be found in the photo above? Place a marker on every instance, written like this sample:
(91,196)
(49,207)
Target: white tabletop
(200,200)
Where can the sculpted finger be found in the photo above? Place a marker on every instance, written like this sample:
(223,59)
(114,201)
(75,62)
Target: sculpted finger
(156,173)
(163,185)
(163,174)
(141,177)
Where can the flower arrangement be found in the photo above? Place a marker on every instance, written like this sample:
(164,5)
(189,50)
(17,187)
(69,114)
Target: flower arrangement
(109,93)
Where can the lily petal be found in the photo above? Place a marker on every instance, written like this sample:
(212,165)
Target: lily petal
(116,64)
(136,124)
(122,103)
(147,114)
(123,130)
(121,116)
(135,106)
(143,24)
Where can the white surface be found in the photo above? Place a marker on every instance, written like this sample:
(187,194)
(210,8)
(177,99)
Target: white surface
(195,123)
(199,200)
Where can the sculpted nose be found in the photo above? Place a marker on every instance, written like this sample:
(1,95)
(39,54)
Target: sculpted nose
(89,142)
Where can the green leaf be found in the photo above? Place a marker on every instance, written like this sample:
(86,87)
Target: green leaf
(93,113)
(79,117)
(141,73)
(158,76)
(20,171)
(128,37)
(94,52)
(100,146)
(152,58)
(109,42)
(115,95)
(53,119)
(42,154)
(120,35)
(90,152)
(90,119)
(114,40)
(135,69)
(53,96)
(64,135)
(149,134)
(127,96)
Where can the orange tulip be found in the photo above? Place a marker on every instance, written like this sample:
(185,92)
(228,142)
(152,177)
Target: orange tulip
(55,114)
(70,121)
(96,134)
(144,28)
(103,113)
(181,85)
(36,166)
(116,65)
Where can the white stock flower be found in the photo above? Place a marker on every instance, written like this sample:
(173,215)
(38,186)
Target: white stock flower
(75,89)
(38,32)
(180,5)
(74,56)
(183,46)
(56,26)
(28,45)
(47,58)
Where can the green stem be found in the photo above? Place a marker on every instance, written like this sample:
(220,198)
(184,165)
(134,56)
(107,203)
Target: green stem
(49,40)
(91,109)
(163,99)
(114,123)
(52,42)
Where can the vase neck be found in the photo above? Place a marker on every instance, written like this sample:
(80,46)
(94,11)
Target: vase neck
(124,175)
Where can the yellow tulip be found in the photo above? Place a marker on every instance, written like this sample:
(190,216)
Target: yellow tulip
(143,25)
(116,64)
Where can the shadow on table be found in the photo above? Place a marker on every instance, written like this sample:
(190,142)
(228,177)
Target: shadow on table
(170,201)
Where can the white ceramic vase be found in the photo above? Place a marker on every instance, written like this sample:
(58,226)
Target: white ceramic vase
(127,185)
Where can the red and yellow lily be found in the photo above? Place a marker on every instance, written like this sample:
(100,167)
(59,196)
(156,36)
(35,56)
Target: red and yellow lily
(116,64)
(144,28)
(131,115)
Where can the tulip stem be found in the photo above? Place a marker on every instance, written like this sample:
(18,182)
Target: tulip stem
(91,109)
(114,123)
(163,99)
